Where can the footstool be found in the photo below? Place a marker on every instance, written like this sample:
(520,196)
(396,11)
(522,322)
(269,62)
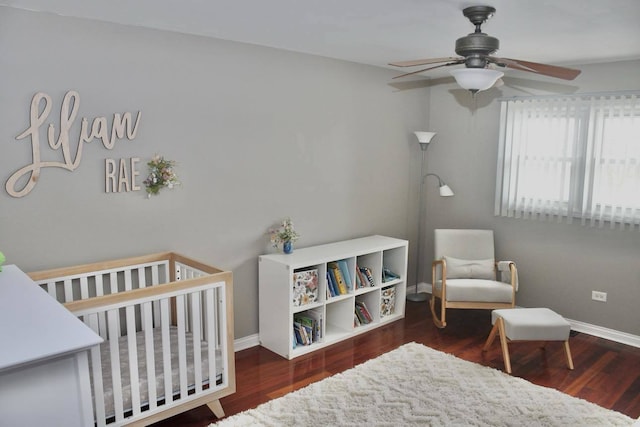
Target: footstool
(528,324)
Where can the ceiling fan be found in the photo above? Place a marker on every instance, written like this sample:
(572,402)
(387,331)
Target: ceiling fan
(475,51)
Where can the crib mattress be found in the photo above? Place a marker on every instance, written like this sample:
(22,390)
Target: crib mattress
(159,368)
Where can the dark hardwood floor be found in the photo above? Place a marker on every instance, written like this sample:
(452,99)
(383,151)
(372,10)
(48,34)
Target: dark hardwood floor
(606,373)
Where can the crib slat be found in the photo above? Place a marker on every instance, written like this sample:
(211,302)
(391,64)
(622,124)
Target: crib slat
(114,351)
(84,287)
(221,322)
(113,284)
(156,304)
(99,285)
(182,346)
(155,275)
(127,280)
(211,346)
(147,327)
(142,277)
(102,318)
(195,333)
(166,350)
(51,289)
(133,360)
(68,291)
(218,301)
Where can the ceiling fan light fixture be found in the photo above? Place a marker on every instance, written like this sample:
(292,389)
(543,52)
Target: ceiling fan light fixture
(476,79)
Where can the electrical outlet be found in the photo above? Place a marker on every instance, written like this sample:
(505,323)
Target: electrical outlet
(599,296)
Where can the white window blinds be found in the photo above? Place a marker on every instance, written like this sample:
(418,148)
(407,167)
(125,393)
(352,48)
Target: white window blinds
(570,157)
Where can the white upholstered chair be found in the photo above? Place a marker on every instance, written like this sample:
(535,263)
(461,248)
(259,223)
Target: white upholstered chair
(465,273)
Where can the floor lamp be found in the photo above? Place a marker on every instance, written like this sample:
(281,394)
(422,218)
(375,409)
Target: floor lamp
(424,138)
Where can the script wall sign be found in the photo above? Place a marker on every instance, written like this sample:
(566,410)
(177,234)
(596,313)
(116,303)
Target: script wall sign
(117,179)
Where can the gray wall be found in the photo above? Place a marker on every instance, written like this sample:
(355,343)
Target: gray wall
(559,264)
(258,134)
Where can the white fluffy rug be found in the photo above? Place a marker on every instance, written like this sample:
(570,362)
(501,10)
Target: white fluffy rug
(417,385)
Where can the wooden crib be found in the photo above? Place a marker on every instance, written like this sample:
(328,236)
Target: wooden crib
(167,322)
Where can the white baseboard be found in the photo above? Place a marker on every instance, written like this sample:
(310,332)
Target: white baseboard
(606,333)
(585,328)
(246,342)
(422,287)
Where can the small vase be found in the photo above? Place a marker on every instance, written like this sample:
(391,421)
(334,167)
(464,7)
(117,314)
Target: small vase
(287,247)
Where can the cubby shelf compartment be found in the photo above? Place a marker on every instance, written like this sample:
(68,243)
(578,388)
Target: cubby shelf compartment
(276,291)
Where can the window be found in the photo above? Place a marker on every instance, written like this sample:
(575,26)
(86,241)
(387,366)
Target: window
(570,157)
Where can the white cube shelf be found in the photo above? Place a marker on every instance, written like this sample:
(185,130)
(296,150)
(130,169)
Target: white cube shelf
(337,312)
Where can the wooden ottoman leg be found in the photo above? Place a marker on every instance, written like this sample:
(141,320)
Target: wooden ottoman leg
(503,344)
(491,337)
(567,351)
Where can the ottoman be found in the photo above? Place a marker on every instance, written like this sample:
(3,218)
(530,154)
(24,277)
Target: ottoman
(528,324)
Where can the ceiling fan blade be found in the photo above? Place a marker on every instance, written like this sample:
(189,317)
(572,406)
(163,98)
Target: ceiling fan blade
(535,67)
(430,68)
(423,61)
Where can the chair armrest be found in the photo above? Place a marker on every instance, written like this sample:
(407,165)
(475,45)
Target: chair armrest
(508,272)
(443,267)
(504,265)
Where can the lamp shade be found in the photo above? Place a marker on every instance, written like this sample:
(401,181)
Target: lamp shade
(476,79)
(445,191)
(424,137)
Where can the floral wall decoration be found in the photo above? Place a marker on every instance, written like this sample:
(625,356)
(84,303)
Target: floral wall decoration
(120,175)
(161,175)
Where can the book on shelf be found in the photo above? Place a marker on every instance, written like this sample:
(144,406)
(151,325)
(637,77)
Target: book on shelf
(363,313)
(346,275)
(365,310)
(368,275)
(312,322)
(359,317)
(309,324)
(364,282)
(330,291)
(297,330)
(358,278)
(318,326)
(334,282)
(337,274)
(304,334)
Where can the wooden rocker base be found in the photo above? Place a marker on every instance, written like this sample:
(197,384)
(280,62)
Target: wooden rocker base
(499,329)
(439,322)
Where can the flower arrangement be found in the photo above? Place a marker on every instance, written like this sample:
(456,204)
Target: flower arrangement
(285,233)
(161,174)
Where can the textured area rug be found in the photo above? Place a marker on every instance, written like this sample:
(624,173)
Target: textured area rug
(417,385)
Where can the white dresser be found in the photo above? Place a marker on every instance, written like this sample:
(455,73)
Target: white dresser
(44,372)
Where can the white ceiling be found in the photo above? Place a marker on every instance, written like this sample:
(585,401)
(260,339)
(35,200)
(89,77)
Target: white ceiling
(375,32)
